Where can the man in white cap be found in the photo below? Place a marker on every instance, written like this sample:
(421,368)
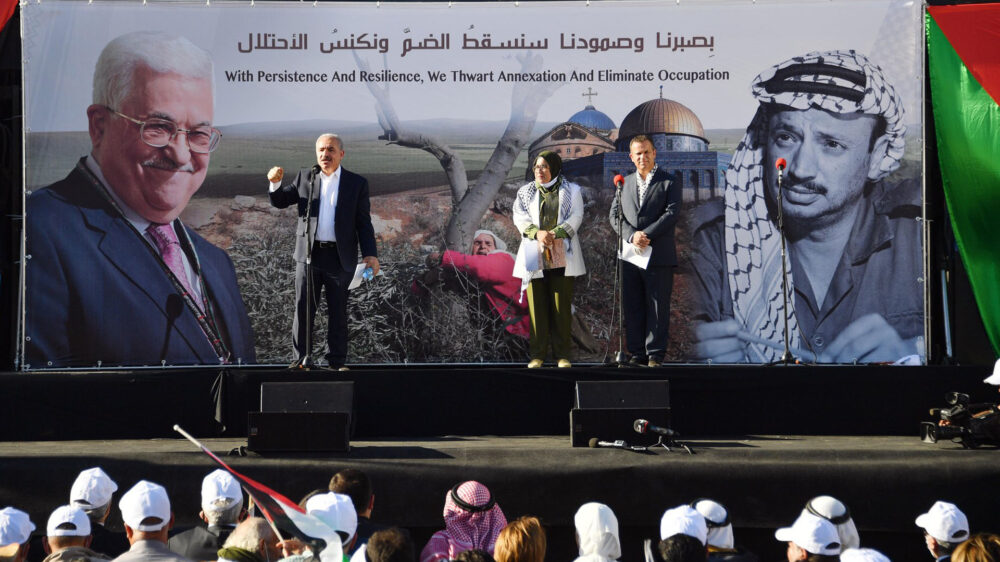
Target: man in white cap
(834,511)
(810,537)
(945,527)
(67,537)
(15,531)
(148,518)
(683,533)
(337,512)
(221,510)
(92,492)
(720,540)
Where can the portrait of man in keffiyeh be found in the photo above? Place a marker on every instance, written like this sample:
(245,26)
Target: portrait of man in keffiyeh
(854,239)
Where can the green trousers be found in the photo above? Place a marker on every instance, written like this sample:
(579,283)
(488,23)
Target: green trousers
(549,303)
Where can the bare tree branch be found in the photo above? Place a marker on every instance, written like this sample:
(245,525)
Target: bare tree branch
(396,133)
(469,205)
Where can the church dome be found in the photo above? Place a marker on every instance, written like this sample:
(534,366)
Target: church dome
(661,116)
(591,118)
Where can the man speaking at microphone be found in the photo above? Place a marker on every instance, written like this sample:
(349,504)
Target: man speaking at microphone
(650,203)
(854,244)
(334,218)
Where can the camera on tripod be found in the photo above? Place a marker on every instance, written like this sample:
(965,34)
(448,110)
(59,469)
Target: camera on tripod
(963,426)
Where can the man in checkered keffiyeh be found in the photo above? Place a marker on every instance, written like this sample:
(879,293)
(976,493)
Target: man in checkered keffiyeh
(472,520)
(854,259)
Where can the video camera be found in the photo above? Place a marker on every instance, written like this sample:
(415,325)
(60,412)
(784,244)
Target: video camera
(963,424)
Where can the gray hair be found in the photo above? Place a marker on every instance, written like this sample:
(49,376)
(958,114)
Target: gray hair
(334,136)
(224,514)
(159,51)
(248,534)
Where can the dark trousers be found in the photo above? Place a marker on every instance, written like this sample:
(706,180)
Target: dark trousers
(550,301)
(326,273)
(646,301)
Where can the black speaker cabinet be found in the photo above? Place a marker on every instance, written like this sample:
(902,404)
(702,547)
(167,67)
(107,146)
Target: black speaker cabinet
(303,416)
(286,432)
(606,410)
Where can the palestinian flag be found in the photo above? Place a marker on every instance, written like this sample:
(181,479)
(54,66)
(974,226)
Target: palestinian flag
(963,48)
(287,518)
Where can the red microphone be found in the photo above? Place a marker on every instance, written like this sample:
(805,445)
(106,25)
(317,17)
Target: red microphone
(619,180)
(780,163)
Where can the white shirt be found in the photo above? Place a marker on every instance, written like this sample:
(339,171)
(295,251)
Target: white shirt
(328,193)
(141,224)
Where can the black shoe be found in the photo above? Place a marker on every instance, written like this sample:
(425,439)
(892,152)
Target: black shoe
(637,361)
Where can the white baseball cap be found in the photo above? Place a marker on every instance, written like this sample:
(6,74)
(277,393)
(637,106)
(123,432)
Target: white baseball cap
(813,534)
(995,377)
(720,530)
(945,523)
(68,521)
(336,511)
(92,489)
(683,520)
(863,555)
(219,491)
(15,529)
(145,499)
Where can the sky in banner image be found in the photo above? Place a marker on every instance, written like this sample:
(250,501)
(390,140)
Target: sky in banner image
(456,77)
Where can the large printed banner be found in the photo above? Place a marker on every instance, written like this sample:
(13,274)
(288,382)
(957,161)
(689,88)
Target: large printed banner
(443,109)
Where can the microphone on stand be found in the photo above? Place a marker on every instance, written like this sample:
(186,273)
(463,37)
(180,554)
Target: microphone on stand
(780,164)
(619,181)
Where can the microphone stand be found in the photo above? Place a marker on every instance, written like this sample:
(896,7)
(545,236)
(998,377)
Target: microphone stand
(306,362)
(786,357)
(619,280)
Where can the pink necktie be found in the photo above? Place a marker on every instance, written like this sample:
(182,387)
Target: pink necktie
(170,250)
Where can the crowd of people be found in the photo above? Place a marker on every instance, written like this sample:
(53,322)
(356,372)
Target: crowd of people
(336,526)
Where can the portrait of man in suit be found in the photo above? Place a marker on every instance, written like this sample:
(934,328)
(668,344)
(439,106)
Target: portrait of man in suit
(113,277)
(650,203)
(334,219)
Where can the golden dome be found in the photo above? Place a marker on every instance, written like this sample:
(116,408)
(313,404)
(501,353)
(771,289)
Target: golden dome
(661,116)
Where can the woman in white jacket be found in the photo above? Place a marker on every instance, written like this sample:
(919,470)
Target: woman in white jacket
(548,213)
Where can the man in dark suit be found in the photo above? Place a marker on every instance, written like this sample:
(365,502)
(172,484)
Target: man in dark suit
(113,277)
(221,510)
(650,202)
(335,202)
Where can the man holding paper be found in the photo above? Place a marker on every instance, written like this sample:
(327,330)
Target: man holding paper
(650,203)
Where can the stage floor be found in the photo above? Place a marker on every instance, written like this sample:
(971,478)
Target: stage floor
(764,480)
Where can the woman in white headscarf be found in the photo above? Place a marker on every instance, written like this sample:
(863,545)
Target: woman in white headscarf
(597,533)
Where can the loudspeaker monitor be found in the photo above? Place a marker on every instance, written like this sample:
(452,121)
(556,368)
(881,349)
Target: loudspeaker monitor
(606,410)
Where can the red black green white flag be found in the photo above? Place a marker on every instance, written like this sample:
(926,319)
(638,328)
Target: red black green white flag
(963,47)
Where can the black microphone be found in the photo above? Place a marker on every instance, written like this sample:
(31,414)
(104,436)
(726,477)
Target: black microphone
(595,443)
(619,181)
(642,426)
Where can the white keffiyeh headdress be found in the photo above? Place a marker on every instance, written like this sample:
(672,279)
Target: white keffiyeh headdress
(835,81)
